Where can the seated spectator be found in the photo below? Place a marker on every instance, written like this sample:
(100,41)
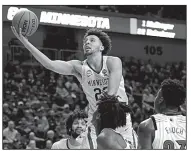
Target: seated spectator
(39,141)
(6,109)
(51,136)
(14,116)
(71,84)
(51,119)
(30,80)
(62,95)
(18,74)
(61,131)
(137,113)
(33,137)
(52,78)
(32,145)
(77,108)
(48,144)
(10,132)
(23,127)
(43,124)
(66,111)
(148,100)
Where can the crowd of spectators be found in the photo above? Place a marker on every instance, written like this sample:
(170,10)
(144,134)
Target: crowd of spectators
(37,101)
(177,12)
(142,81)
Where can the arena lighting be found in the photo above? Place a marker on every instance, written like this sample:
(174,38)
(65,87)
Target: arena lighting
(75,20)
(66,19)
(12,11)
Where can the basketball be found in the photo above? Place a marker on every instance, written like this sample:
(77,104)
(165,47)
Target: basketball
(27,21)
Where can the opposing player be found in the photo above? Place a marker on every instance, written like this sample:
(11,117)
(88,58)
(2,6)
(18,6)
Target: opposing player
(109,120)
(166,129)
(96,74)
(75,125)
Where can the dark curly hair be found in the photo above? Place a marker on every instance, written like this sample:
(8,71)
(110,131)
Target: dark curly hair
(72,117)
(173,92)
(112,113)
(105,39)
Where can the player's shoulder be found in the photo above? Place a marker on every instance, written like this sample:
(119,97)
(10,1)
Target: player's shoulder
(61,141)
(77,65)
(107,131)
(76,62)
(58,144)
(113,60)
(146,125)
(105,135)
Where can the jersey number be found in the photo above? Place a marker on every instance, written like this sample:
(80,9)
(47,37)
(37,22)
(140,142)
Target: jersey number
(168,144)
(98,92)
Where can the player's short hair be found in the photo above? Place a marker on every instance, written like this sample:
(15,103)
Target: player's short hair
(112,113)
(105,39)
(173,92)
(72,117)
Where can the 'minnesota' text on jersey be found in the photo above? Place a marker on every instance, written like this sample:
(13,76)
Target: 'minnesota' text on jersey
(94,83)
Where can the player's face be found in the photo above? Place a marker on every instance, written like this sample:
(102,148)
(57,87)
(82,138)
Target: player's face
(158,101)
(91,44)
(79,126)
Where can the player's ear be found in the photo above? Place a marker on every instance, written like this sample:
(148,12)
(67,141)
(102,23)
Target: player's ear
(101,48)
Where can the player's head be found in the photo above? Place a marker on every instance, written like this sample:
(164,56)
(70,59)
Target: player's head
(171,95)
(76,123)
(110,114)
(95,41)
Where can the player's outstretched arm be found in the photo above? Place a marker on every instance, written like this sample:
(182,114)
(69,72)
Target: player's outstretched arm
(145,134)
(115,68)
(61,67)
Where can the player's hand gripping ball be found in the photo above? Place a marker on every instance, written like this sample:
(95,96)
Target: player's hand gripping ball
(27,21)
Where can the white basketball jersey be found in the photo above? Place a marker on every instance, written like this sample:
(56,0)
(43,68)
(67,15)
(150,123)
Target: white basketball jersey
(170,132)
(64,144)
(94,83)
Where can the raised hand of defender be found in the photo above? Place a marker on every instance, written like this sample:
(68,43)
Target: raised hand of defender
(19,35)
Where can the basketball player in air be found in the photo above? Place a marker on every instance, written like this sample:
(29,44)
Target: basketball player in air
(167,128)
(109,120)
(75,125)
(98,73)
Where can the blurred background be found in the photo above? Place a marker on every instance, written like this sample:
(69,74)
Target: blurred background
(150,40)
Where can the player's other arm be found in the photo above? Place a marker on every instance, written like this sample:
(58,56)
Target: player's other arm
(115,68)
(146,134)
(61,67)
